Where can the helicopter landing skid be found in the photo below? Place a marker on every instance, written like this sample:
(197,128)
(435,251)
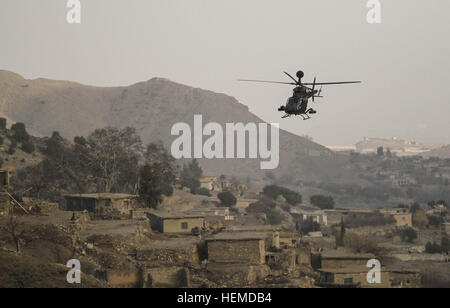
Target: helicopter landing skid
(305,118)
(286,116)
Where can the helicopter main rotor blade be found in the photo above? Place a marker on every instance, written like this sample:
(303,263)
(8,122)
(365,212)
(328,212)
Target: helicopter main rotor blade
(296,82)
(265,81)
(330,83)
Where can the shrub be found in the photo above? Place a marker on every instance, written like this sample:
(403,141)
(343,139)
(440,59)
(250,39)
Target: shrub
(323,202)
(227,199)
(28,147)
(203,192)
(362,243)
(375,219)
(435,221)
(2,124)
(307,226)
(408,235)
(274,191)
(80,140)
(19,132)
(445,244)
(432,248)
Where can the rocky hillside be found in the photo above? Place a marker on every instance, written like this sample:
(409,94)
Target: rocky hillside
(153,107)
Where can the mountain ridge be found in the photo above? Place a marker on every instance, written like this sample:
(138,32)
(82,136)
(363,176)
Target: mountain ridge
(152,107)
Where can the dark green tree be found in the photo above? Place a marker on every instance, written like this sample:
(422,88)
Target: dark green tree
(190,176)
(19,132)
(323,202)
(227,199)
(157,176)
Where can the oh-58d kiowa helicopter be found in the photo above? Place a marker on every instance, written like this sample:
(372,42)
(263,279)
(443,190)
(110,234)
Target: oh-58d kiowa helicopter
(298,103)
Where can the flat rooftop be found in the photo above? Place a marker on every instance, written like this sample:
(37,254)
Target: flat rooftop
(348,270)
(237,236)
(175,215)
(99,196)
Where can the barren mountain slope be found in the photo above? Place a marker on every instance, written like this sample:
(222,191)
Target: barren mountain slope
(153,107)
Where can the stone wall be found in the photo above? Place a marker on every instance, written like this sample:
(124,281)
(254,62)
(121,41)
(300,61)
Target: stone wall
(124,279)
(166,277)
(337,262)
(160,257)
(236,251)
(236,274)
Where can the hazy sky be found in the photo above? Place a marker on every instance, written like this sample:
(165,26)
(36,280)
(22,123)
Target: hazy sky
(404,62)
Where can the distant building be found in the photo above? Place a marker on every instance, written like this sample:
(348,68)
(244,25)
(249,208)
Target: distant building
(350,277)
(402,216)
(404,180)
(168,222)
(337,259)
(101,203)
(211,183)
(398,146)
(305,213)
(356,277)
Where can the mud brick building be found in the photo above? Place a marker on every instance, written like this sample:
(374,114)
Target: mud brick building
(357,277)
(239,247)
(168,222)
(342,260)
(101,204)
(349,277)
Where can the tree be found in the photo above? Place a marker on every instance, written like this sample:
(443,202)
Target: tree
(54,145)
(19,132)
(340,236)
(362,243)
(28,147)
(445,244)
(415,207)
(113,151)
(157,175)
(380,151)
(12,228)
(323,202)
(190,176)
(2,124)
(80,140)
(432,248)
(273,191)
(203,192)
(409,235)
(227,199)
(307,226)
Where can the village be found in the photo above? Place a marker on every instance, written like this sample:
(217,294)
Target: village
(228,236)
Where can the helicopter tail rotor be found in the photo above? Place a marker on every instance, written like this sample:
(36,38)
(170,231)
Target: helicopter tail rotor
(313,89)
